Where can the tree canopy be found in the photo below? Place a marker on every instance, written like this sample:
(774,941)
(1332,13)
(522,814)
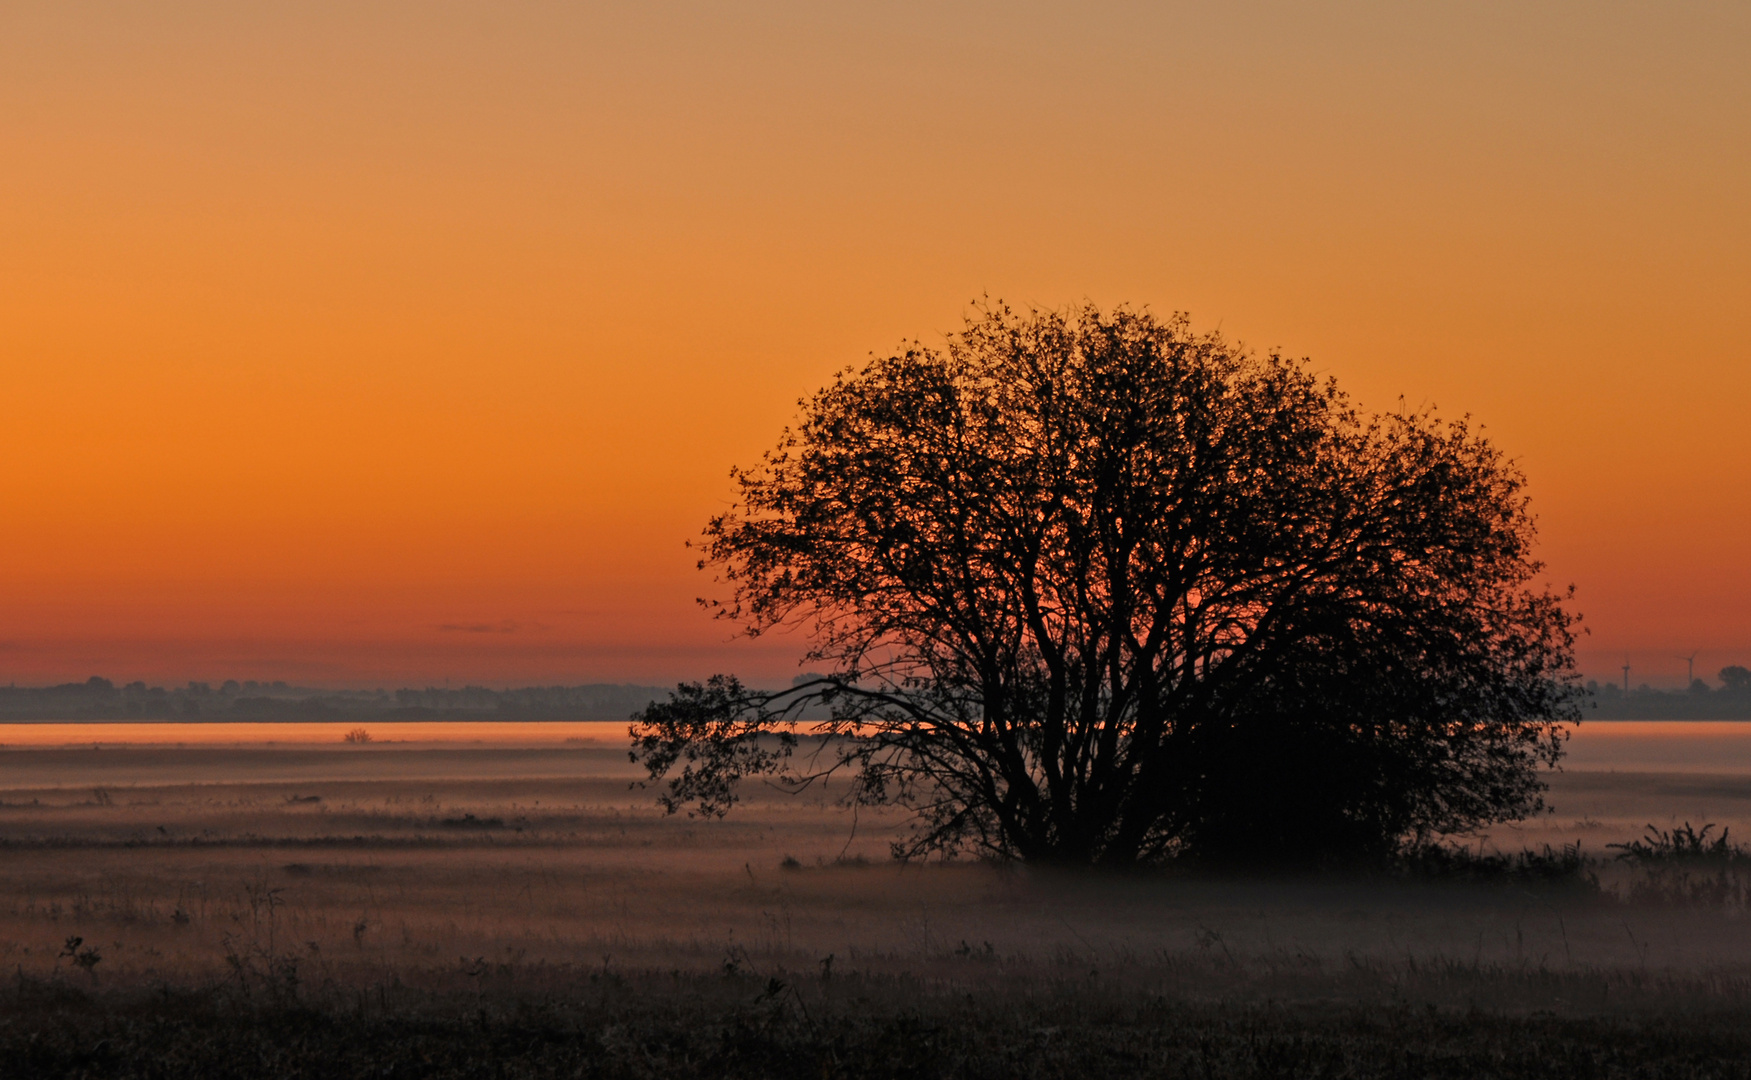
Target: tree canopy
(1094,588)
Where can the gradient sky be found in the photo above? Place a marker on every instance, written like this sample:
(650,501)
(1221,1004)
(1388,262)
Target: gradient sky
(379,343)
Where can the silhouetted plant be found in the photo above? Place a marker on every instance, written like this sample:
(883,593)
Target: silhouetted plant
(80,955)
(1092,588)
(1565,865)
(1688,866)
(469,821)
(1682,843)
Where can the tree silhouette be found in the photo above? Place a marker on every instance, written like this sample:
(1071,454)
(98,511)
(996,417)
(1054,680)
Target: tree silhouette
(1736,678)
(1092,588)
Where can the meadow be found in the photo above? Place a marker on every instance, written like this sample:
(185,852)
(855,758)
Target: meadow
(512,906)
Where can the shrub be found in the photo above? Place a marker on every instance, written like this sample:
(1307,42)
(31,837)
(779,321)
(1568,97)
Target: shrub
(1685,866)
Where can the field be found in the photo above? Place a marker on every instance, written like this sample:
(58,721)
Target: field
(514,908)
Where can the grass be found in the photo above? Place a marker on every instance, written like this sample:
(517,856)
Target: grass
(274,912)
(609,1023)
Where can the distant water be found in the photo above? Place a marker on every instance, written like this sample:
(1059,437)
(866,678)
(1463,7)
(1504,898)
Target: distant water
(1713,746)
(1624,745)
(497,733)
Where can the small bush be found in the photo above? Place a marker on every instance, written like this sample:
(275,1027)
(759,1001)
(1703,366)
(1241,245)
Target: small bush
(357,735)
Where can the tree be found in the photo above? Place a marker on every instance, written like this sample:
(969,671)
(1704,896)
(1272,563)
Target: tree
(1736,678)
(1093,588)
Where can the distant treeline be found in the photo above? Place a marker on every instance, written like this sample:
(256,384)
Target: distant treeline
(1731,701)
(101,699)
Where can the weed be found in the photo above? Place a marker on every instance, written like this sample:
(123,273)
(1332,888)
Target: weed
(82,956)
(469,821)
(1686,866)
(1682,843)
(1565,866)
(734,959)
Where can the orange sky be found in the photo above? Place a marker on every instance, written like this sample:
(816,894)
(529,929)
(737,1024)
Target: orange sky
(367,343)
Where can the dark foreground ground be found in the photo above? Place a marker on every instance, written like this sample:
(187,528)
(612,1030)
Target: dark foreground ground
(739,1026)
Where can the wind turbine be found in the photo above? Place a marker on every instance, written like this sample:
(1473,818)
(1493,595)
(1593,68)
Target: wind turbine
(1689,668)
(1626,676)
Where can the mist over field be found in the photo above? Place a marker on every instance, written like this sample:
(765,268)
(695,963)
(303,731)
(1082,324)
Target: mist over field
(394,880)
